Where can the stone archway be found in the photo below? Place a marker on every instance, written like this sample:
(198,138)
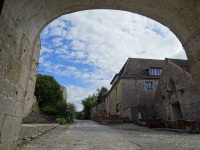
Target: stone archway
(21,22)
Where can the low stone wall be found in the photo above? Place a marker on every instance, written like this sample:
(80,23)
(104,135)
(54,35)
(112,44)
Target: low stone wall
(109,120)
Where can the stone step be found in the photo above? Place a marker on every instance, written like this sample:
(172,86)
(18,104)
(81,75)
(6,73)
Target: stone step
(38,117)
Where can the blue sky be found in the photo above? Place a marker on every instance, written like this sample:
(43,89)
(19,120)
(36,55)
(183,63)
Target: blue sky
(84,50)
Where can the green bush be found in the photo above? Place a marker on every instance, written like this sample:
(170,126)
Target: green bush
(47,91)
(58,109)
(48,109)
(64,120)
(70,112)
(35,107)
(61,120)
(61,109)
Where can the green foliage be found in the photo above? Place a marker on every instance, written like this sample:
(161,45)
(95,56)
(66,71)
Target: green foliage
(93,100)
(101,94)
(50,99)
(70,112)
(58,109)
(61,120)
(47,91)
(88,103)
(48,109)
(78,115)
(61,108)
(35,107)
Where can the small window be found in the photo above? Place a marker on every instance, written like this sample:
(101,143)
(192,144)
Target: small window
(148,85)
(154,71)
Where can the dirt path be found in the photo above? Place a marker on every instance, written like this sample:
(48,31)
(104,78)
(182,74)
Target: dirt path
(88,135)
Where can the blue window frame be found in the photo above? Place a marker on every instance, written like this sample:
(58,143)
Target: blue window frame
(155,71)
(148,85)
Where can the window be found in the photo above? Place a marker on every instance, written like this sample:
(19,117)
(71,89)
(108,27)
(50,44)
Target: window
(154,71)
(148,85)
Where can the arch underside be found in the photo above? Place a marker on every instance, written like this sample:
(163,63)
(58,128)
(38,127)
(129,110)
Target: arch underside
(182,18)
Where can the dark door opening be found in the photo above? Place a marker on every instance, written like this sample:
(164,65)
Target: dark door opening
(176,111)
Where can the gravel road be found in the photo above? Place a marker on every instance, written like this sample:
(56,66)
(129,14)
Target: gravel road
(88,135)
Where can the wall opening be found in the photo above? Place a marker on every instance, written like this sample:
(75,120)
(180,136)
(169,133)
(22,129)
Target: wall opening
(176,111)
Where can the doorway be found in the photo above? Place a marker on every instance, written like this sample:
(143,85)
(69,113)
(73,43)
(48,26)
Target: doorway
(176,111)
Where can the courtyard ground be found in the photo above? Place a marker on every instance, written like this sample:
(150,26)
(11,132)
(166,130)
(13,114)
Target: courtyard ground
(89,135)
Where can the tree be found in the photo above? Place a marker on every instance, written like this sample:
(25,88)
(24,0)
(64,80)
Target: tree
(47,91)
(88,103)
(70,112)
(101,94)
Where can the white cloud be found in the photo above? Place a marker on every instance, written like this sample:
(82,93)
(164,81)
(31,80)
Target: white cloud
(57,41)
(76,94)
(104,39)
(45,50)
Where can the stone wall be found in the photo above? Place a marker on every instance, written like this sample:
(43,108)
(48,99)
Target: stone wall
(30,99)
(130,92)
(16,57)
(114,98)
(127,113)
(99,109)
(135,94)
(183,93)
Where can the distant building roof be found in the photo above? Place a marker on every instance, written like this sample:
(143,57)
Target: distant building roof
(136,67)
(182,63)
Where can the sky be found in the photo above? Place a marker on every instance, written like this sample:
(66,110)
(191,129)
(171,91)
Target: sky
(84,50)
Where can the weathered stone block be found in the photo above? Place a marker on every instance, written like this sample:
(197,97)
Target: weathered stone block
(13,71)
(39,18)
(10,129)
(50,12)
(15,11)
(1,120)
(8,105)
(19,93)
(5,146)
(19,109)
(7,88)
(8,145)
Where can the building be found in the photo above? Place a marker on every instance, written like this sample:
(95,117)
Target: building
(133,89)
(64,90)
(176,96)
(98,110)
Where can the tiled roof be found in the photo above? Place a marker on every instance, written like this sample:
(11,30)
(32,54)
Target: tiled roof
(138,67)
(182,63)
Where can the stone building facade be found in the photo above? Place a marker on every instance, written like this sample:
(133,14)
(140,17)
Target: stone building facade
(133,88)
(64,90)
(176,96)
(98,110)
